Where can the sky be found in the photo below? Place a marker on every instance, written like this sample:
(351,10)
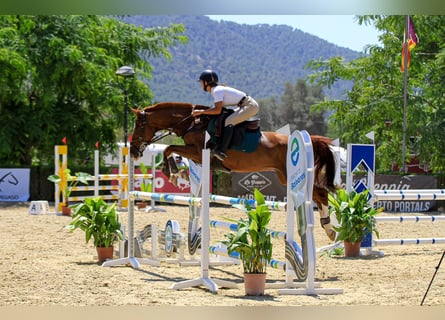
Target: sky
(341,30)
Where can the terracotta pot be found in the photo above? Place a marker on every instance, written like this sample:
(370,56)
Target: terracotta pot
(352,249)
(141,205)
(66,211)
(254,284)
(104,253)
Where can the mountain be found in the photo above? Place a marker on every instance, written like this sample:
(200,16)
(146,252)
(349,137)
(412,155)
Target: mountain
(258,59)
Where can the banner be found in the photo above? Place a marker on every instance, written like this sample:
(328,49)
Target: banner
(266,181)
(396,182)
(14,184)
(162,184)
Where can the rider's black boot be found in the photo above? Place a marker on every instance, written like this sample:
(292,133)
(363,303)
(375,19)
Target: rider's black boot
(220,151)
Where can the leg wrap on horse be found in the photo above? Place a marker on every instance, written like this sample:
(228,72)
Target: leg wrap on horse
(326,225)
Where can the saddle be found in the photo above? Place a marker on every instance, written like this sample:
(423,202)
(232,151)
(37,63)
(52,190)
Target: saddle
(245,135)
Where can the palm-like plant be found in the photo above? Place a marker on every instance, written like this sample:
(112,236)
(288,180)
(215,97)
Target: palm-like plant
(98,220)
(354,213)
(252,240)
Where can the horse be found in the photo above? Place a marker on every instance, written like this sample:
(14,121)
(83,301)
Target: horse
(166,118)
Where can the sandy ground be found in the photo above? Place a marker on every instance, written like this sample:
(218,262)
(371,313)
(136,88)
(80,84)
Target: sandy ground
(44,265)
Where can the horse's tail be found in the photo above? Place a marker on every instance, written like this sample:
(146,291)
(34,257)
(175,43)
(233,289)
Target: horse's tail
(324,162)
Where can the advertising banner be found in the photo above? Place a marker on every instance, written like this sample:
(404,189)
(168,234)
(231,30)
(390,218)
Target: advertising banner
(265,181)
(14,184)
(395,182)
(162,184)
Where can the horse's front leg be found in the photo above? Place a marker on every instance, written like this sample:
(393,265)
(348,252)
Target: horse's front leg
(165,168)
(172,165)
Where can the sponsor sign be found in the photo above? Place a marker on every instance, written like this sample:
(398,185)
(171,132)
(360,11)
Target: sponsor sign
(267,182)
(395,182)
(14,184)
(161,183)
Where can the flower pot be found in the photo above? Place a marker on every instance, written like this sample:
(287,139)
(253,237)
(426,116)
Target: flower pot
(66,211)
(142,205)
(254,284)
(104,253)
(352,249)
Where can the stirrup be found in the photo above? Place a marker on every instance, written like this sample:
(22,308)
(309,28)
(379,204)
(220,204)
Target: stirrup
(219,155)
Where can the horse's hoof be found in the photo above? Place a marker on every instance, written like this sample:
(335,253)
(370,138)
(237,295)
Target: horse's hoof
(331,234)
(174,180)
(184,175)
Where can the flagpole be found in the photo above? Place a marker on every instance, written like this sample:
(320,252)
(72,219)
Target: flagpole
(405,92)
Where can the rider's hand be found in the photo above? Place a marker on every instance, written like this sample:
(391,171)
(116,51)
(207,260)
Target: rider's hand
(197,113)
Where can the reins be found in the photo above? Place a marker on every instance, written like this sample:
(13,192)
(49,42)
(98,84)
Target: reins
(169,130)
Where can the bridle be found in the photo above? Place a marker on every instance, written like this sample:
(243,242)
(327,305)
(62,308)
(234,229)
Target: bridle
(142,143)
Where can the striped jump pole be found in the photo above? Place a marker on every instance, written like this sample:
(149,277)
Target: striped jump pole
(234,227)
(197,201)
(408,241)
(235,255)
(410,194)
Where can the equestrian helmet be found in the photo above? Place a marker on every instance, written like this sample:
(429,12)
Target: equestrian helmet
(209,76)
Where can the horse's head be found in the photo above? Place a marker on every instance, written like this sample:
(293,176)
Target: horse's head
(172,117)
(142,134)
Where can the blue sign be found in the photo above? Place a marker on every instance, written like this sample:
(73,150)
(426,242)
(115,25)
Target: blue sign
(362,155)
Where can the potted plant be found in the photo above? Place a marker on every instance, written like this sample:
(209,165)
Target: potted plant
(66,182)
(355,216)
(100,221)
(252,243)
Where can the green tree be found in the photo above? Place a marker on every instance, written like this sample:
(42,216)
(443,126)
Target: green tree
(376,100)
(58,80)
(295,109)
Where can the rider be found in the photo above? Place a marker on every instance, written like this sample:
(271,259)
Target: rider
(246,107)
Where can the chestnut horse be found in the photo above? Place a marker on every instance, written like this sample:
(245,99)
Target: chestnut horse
(270,154)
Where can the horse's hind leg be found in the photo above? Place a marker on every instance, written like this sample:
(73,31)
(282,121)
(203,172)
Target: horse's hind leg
(321,199)
(325,221)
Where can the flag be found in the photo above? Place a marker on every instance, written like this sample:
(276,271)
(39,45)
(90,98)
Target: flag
(97,144)
(413,40)
(64,140)
(370,135)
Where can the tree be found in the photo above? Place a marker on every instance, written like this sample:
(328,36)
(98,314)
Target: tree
(295,109)
(58,80)
(375,102)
